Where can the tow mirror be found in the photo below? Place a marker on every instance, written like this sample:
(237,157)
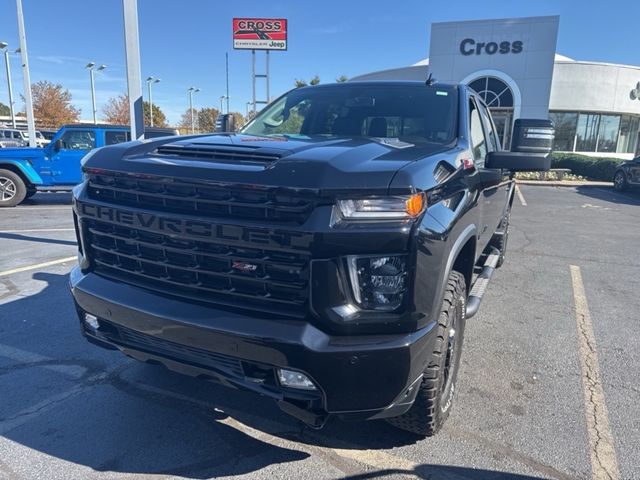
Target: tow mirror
(534,136)
(225,123)
(531,147)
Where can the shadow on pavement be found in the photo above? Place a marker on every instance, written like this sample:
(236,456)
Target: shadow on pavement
(608,194)
(48,198)
(72,401)
(29,238)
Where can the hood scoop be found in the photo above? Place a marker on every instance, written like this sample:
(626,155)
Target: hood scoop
(244,155)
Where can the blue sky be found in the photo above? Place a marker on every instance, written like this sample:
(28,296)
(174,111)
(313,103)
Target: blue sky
(184,42)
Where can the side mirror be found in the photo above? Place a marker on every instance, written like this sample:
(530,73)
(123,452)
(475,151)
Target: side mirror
(532,135)
(225,123)
(57,146)
(531,148)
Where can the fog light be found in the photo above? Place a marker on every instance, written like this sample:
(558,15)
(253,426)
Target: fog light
(91,321)
(378,282)
(292,379)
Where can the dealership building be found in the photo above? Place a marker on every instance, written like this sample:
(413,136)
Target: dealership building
(513,65)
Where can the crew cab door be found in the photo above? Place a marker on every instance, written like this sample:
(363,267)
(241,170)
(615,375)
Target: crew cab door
(634,171)
(494,183)
(66,153)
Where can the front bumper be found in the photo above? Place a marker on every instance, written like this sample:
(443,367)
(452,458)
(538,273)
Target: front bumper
(358,376)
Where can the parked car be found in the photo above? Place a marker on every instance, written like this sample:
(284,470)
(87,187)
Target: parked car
(627,175)
(327,256)
(48,133)
(11,137)
(24,171)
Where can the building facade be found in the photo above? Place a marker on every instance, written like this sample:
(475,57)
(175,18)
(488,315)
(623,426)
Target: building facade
(513,65)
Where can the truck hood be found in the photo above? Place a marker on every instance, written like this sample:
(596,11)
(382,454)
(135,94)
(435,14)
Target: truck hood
(320,163)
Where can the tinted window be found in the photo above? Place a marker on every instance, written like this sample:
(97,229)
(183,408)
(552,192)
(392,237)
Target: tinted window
(410,113)
(566,125)
(78,140)
(113,137)
(478,142)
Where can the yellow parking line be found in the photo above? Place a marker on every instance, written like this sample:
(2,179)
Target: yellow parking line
(37,265)
(604,464)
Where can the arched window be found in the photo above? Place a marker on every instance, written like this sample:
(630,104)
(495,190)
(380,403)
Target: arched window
(494,92)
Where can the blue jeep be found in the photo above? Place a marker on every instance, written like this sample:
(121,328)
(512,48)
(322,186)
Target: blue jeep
(25,171)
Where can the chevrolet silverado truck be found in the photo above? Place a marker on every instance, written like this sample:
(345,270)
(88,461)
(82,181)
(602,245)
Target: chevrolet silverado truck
(326,256)
(56,166)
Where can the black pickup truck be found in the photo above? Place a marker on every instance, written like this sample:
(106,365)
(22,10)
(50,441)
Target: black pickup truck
(327,256)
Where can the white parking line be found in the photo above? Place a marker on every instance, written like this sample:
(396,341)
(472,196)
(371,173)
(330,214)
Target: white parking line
(37,265)
(523,202)
(604,464)
(39,230)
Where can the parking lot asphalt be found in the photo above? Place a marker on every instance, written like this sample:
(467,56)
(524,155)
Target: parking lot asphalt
(70,410)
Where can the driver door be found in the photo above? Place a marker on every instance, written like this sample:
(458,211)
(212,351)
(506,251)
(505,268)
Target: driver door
(65,162)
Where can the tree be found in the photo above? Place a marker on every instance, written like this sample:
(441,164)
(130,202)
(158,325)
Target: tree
(5,111)
(342,79)
(303,83)
(52,105)
(184,125)
(116,110)
(159,118)
(206,119)
(239,119)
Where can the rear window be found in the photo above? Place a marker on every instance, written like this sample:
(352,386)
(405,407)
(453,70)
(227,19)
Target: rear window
(410,113)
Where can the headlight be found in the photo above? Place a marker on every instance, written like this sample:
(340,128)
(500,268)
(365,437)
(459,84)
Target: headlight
(378,283)
(382,208)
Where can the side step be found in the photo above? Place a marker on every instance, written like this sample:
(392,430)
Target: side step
(480,285)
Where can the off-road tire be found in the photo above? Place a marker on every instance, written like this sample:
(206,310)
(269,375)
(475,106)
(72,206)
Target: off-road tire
(12,189)
(501,238)
(435,396)
(620,181)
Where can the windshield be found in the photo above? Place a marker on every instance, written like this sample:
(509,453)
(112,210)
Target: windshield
(408,113)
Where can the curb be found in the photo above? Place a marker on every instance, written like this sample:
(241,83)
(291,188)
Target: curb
(564,183)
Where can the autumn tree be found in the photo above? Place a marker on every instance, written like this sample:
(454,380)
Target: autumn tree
(5,111)
(342,79)
(239,119)
(206,119)
(184,125)
(52,105)
(116,111)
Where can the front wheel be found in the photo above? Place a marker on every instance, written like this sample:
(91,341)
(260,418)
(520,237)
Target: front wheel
(620,181)
(12,189)
(435,397)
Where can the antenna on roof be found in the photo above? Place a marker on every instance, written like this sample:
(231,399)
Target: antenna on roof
(430,80)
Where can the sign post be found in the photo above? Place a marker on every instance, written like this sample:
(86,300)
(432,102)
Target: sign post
(259,34)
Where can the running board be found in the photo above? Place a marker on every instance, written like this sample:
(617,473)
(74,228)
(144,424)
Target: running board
(480,285)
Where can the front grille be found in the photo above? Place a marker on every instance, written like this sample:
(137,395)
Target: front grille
(166,348)
(241,275)
(205,200)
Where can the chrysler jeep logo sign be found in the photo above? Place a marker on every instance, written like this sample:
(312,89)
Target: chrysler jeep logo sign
(260,33)
(469,46)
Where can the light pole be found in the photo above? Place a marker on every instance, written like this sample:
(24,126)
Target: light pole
(90,66)
(248,103)
(4,46)
(191,91)
(223,97)
(151,80)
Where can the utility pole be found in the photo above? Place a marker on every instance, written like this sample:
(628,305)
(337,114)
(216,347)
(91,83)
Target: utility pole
(28,102)
(227,68)
(134,83)
(4,46)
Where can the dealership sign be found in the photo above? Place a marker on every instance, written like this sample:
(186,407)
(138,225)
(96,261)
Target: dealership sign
(470,46)
(260,33)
